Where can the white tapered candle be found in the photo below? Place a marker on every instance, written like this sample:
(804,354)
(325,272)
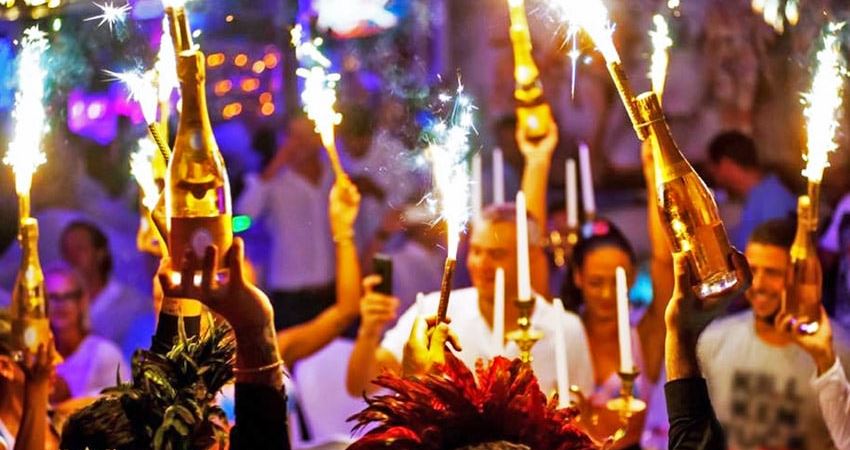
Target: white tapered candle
(499,311)
(587,194)
(627,364)
(561,361)
(498,176)
(523,268)
(572,195)
(477,191)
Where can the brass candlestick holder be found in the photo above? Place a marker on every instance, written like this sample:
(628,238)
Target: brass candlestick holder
(525,337)
(627,404)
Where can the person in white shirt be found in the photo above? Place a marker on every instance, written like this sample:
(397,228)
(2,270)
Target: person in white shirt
(758,380)
(291,194)
(90,362)
(114,308)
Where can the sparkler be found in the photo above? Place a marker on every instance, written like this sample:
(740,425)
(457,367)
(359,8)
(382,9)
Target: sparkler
(319,94)
(141,167)
(110,14)
(823,106)
(661,44)
(592,17)
(166,76)
(25,153)
(142,89)
(447,152)
(777,12)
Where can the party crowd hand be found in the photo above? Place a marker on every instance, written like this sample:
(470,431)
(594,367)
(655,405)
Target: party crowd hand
(818,344)
(690,315)
(376,310)
(241,303)
(343,206)
(38,367)
(426,346)
(541,149)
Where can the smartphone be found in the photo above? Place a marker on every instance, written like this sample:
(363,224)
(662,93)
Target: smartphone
(383,265)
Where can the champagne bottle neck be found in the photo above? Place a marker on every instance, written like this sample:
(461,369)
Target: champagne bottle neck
(669,161)
(29,246)
(803,246)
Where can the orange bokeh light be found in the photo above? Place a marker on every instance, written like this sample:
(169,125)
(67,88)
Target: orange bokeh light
(240,60)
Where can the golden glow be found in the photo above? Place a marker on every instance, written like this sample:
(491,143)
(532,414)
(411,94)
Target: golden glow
(141,167)
(267,109)
(142,89)
(592,16)
(265,97)
(270,60)
(231,110)
(661,44)
(250,84)
(215,59)
(222,87)
(823,104)
(258,67)
(240,60)
(25,153)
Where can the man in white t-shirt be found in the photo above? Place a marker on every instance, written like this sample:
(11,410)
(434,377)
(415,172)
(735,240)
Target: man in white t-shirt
(492,245)
(759,380)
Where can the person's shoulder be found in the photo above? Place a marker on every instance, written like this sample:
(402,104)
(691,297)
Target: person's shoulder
(840,339)
(100,347)
(722,329)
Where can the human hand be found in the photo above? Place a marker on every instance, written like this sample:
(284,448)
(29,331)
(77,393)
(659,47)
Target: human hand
(376,310)
(38,366)
(539,150)
(426,346)
(343,206)
(242,304)
(687,314)
(818,344)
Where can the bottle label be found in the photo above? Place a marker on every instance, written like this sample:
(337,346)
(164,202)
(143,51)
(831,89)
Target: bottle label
(197,233)
(29,333)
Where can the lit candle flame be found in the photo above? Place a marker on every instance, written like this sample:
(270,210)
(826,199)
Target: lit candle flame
(319,95)
(448,150)
(661,44)
(110,14)
(25,153)
(823,104)
(592,16)
(141,167)
(166,66)
(141,89)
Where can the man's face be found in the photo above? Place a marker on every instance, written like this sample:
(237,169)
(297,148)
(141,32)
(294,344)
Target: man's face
(66,300)
(78,251)
(303,134)
(769,265)
(491,246)
(724,173)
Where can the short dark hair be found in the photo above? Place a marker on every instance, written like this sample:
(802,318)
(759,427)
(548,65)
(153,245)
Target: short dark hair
(776,232)
(98,240)
(736,146)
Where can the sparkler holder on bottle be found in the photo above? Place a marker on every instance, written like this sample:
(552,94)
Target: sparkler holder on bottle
(627,94)
(159,140)
(446,289)
(526,336)
(23,207)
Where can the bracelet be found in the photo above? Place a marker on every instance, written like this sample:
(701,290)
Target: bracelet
(266,368)
(343,237)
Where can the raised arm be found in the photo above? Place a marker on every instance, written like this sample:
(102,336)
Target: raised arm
(38,369)
(535,183)
(303,340)
(651,330)
(368,358)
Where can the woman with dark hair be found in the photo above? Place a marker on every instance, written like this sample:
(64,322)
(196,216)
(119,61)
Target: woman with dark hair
(115,309)
(590,290)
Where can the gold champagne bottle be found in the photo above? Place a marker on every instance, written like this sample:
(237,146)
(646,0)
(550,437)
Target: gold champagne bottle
(30,326)
(197,189)
(533,113)
(803,297)
(688,211)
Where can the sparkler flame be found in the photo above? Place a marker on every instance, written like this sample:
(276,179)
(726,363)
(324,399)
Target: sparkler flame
(110,14)
(174,3)
(319,95)
(141,167)
(141,89)
(447,152)
(661,43)
(25,153)
(166,65)
(823,104)
(592,16)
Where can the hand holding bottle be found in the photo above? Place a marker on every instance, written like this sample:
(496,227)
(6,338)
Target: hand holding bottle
(540,149)
(817,344)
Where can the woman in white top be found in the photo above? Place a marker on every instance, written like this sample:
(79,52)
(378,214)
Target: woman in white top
(90,362)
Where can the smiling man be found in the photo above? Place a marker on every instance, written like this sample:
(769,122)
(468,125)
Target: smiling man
(759,380)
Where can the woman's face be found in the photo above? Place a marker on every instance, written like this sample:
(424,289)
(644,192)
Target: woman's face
(597,280)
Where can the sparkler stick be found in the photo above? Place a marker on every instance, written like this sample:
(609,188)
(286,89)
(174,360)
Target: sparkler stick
(592,17)
(142,90)
(823,105)
(25,153)
(319,95)
(661,44)
(448,153)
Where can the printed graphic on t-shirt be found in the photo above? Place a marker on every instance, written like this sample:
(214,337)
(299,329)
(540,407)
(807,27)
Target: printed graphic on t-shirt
(765,413)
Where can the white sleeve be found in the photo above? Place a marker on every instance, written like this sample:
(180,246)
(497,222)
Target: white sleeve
(578,351)
(252,202)
(395,338)
(833,393)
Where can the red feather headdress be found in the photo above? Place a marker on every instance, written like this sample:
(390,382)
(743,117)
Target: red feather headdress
(448,410)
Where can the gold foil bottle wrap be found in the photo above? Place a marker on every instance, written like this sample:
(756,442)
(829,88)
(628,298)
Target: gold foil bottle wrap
(533,113)
(30,326)
(803,295)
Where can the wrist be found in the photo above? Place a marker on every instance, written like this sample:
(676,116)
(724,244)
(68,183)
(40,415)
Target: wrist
(343,235)
(369,334)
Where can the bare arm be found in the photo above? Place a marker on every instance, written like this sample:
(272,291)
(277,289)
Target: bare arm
(651,329)
(38,367)
(535,182)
